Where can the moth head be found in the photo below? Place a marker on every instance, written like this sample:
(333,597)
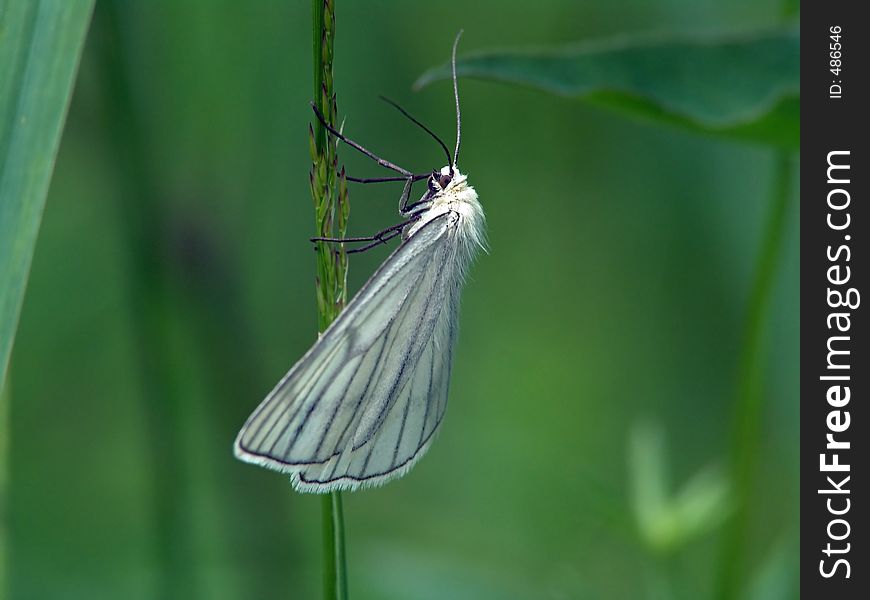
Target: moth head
(439,180)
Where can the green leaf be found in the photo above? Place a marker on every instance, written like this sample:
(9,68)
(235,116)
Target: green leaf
(744,86)
(40,46)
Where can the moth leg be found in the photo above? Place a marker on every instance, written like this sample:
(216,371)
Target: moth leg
(381,237)
(417,207)
(380,241)
(384,179)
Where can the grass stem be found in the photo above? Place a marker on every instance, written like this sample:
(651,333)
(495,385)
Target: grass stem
(335,570)
(329,192)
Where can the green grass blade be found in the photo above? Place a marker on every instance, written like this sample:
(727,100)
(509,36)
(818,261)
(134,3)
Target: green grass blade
(40,46)
(745,87)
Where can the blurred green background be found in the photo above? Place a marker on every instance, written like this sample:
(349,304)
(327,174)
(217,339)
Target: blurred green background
(172,286)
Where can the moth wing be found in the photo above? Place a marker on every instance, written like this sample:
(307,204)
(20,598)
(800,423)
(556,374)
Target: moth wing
(402,436)
(334,401)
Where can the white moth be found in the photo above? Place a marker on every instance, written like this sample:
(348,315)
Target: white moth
(365,402)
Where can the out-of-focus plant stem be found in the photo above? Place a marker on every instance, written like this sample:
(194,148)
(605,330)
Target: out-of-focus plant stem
(149,290)
(750,401)
(175,292)
(749,404)
(329,192)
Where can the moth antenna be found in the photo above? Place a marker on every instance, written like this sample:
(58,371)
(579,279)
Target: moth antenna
(456,97)
(419,124)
